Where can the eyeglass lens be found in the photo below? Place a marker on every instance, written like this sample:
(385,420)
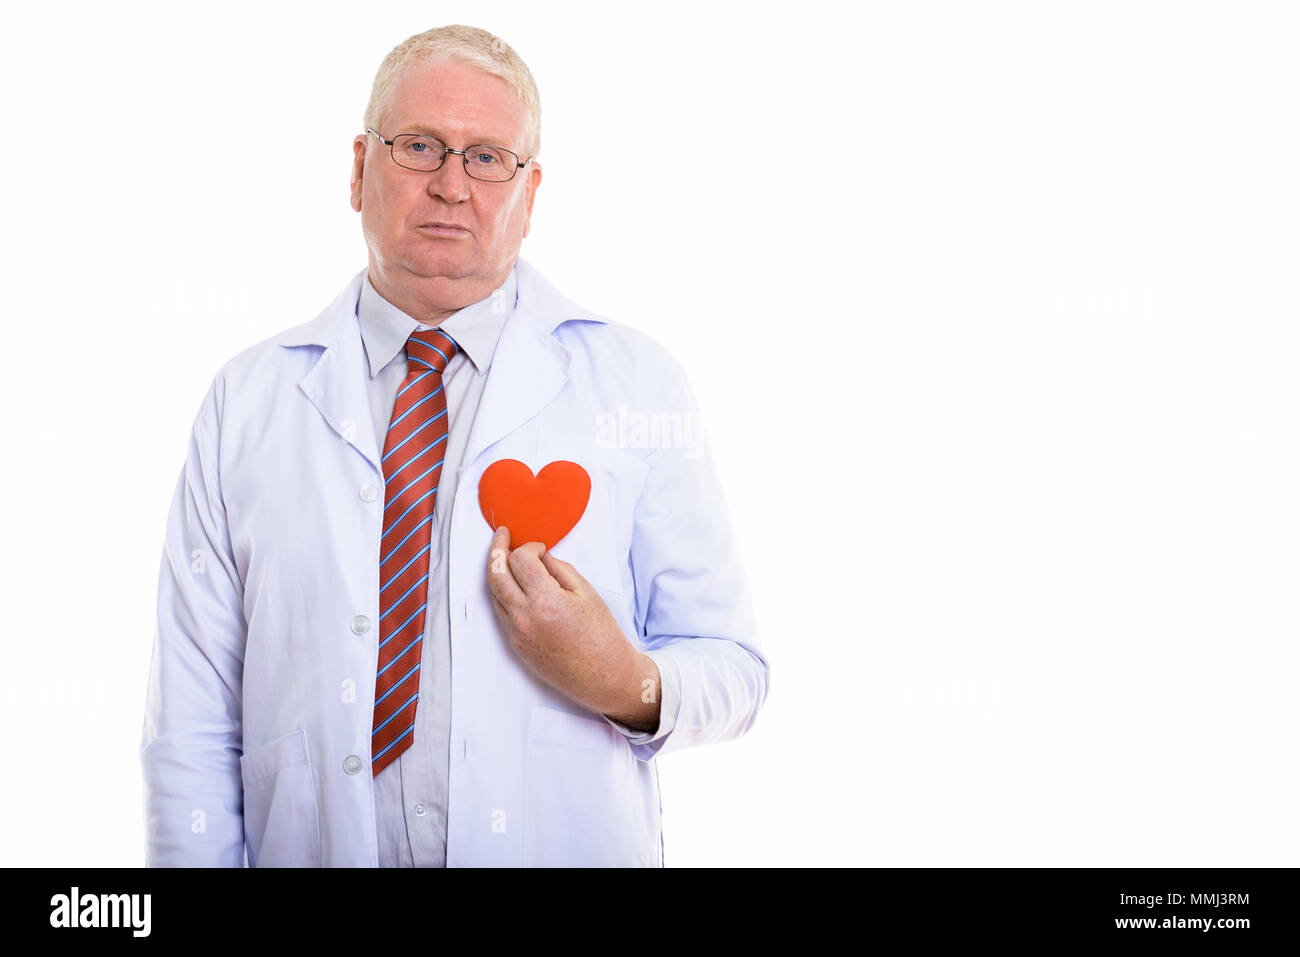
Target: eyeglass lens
(426,153)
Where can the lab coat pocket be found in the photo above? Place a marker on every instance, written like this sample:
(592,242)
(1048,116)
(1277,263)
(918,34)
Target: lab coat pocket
(591,552)
(622,610)
(281,818)
(583,795)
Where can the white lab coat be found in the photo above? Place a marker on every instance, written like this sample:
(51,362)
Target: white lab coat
(256,742)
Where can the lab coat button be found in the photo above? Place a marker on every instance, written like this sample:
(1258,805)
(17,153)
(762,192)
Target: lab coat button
(419,810)
(360,625)
(352,764)
(369,493)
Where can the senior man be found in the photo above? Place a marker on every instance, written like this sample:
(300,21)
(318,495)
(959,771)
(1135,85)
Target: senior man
(358,661)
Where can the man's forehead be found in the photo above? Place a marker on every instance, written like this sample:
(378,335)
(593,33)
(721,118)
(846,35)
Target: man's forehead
(496,134)
(485,108)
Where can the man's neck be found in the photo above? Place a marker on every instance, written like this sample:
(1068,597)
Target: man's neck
(430,300)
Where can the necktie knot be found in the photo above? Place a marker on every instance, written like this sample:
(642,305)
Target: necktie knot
(430,347)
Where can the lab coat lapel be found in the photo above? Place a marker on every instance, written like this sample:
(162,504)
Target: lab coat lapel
(336,384)
(529,366)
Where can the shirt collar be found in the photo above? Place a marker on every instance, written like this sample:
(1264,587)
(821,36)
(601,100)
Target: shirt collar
(476,328)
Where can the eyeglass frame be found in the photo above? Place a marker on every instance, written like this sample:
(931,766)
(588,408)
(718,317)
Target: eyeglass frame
(463,154)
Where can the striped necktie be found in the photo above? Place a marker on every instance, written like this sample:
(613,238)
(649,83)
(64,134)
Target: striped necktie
(412,463)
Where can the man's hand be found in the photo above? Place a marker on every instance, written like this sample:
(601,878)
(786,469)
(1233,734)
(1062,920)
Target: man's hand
(567,636)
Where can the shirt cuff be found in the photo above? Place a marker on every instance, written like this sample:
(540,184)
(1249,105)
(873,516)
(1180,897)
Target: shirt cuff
(670,699)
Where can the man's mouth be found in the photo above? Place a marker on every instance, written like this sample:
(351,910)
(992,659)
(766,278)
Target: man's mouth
(444,231)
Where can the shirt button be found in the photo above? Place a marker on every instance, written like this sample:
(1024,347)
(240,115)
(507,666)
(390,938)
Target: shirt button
(419,810)
(352,764)
(360,625)
(369,493)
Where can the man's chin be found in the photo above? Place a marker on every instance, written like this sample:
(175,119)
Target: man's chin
(448,267)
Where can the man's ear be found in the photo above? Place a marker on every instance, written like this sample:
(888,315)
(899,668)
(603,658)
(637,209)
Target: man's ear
(534,180)
(358,169)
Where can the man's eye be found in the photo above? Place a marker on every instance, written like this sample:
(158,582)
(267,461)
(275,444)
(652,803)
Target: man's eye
(418,147)
(485,159)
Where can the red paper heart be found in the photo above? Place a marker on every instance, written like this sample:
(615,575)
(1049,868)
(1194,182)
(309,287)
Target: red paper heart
(540,508)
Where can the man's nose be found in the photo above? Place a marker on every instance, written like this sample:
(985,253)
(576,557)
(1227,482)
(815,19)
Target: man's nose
(450,181)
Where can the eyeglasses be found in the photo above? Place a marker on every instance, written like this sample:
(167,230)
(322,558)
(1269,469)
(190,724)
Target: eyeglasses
(492,164)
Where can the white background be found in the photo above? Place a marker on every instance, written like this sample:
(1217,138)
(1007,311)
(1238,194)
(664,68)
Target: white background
(992,317)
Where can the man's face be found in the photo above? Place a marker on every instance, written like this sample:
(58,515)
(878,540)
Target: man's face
(462,107)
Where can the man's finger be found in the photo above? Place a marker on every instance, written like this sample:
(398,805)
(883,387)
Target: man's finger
(564,573)
(530,574)
(501,579)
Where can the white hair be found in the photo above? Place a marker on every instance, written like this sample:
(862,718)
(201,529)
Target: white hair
(468,45)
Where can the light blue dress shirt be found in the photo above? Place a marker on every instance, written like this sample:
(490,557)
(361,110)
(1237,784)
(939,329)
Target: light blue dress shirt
(411,793)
